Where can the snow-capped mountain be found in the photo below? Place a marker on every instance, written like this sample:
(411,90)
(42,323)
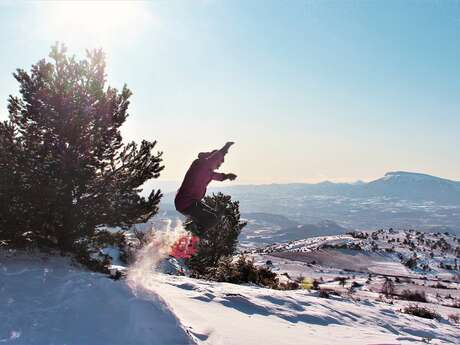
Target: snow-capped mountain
(415,187)
(398,200)
(408,186)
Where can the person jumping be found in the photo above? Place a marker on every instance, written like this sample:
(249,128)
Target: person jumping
(189,197)
(188,200)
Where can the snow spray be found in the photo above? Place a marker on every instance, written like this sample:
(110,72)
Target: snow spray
(156,251)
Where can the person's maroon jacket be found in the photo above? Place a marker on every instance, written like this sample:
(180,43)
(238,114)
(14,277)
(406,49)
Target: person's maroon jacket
(198,177)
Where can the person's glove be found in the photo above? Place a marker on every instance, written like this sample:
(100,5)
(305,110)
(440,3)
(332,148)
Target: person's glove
(231,177)
(227,146)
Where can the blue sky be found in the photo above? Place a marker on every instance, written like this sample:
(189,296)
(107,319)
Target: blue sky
(309,90)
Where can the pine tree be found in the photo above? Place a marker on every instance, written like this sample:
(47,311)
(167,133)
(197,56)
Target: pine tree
(12,215)
(64,169)
(220,241)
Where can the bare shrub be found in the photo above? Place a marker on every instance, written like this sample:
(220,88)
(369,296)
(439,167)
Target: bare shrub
(299,279)
(327,293)
(454,318)
(342,280)
(315,284)
(411,263)
(354,285)
(439,285)
(388,287)
(416,310)
(416,296)
(131,243)
(323,293)
(244,270)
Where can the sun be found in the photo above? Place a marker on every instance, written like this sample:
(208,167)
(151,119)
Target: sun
(97,21)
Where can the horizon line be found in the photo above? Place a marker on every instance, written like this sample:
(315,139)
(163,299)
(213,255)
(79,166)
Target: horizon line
(232,184)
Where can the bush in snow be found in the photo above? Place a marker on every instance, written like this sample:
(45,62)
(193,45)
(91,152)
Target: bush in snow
(64,168)
(218,242)
(299,279)
(243,270)
(132,242)
(416,310)
(454,318)
(388,287)
(358,234)
(315,284)
(354,285)
(416,296)
(324,293)
(327,293)
(439,285)
(88,250)
(411,263)
(342,280)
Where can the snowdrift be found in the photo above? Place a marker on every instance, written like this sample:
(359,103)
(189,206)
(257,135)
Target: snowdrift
(47,300)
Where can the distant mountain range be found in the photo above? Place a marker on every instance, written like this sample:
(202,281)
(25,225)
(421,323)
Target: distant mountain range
(398,184)
(399,200)
(416,187)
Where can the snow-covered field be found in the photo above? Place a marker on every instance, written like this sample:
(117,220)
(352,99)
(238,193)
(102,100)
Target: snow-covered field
(48,300)
(221,313)
(434,255)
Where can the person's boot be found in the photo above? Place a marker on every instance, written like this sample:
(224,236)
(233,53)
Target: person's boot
(193,227)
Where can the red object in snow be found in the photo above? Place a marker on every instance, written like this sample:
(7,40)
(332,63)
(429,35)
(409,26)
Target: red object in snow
(185,247)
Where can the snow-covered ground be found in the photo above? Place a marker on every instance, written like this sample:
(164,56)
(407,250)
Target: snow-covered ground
(48,300)
(222,313)
(435,255)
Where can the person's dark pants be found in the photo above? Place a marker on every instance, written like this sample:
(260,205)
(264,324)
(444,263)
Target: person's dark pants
(203,215)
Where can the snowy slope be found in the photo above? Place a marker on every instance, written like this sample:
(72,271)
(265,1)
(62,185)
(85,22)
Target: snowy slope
(433,251)
(48,301)
(221,313)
